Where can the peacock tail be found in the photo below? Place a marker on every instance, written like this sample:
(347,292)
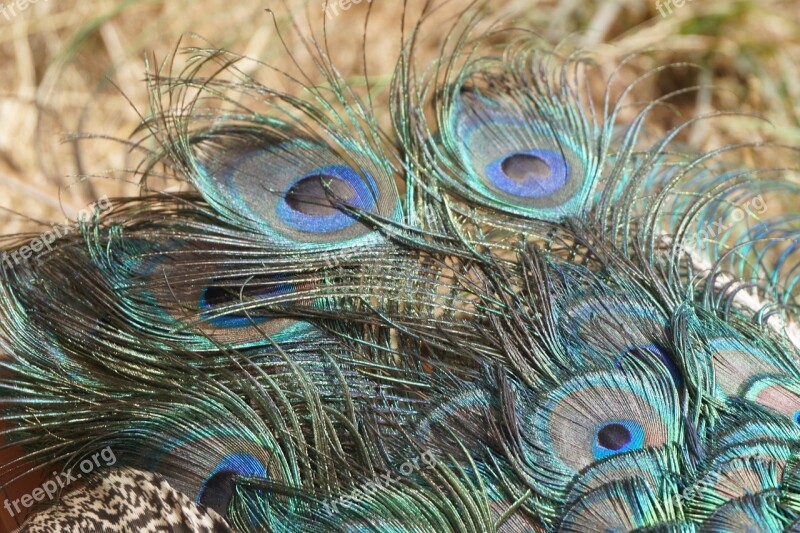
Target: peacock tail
(495,316)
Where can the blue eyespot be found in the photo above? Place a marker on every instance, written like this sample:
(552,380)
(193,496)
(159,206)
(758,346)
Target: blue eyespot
(616,437)
(214,297)
(217,490)
(797,418)
(309,202)
(529,174)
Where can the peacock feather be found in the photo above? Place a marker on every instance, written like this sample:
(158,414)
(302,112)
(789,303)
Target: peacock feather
(494,317)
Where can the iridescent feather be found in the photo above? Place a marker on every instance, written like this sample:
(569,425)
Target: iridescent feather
(505,284)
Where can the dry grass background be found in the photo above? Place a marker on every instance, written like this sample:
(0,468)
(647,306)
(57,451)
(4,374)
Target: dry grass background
(66,64)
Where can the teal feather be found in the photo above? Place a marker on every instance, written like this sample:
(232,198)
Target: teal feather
(508,281)
(628,505)
(313,196)
(594,417)
(748,514)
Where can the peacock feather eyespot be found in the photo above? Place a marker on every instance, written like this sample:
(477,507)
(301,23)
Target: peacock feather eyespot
(298,192)
(217,491)
(751,473)
(654,466)
(310,202)
(778,393)
(737,364)
(639,331)
(747,425)
(207,463)
(216,296)
(518,157)
(529,174)
(189,290)
(618,436)
(600,416)
(621,505)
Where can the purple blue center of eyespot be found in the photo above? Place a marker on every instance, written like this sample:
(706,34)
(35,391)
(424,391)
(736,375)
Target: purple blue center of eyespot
(529,174)
(797,418)
(214,297)
(617,436)
(218,488)
(310,202)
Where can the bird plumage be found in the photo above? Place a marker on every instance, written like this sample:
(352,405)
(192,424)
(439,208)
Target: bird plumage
(507,284)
